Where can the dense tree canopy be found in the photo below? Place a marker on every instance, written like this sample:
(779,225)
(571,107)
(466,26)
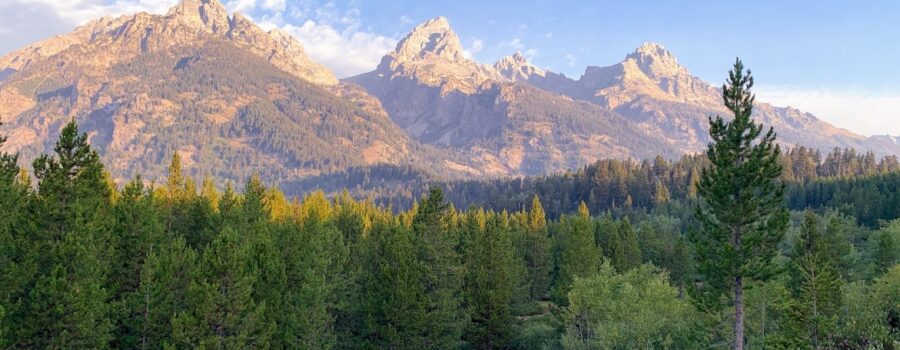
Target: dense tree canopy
(86,263)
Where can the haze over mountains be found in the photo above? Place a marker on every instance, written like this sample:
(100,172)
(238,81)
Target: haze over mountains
(233,99)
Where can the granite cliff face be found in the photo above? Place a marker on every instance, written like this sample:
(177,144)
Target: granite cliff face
(230,97)
(654,91)
(440,97)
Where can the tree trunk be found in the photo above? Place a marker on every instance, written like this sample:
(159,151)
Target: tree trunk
(738,314)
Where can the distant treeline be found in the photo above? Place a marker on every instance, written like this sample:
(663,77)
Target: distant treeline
(859,184)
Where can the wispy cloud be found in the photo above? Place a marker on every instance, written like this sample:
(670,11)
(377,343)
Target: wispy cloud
(475,47)
(347,52)
(334,37)
(570,59)
(514,43)
(860,111)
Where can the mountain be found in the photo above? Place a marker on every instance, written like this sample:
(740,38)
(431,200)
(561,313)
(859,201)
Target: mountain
(440,97)
(652,89)
(230,97)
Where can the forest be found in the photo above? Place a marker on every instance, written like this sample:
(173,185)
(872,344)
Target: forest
(88,264)
(742,247)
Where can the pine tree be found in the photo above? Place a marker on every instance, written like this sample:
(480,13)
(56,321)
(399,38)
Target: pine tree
(220,311)
(578,254)
(608,240)
(660,193)
(175,181)
(742,213)
(437,251)
(164,280)
(885,255)
(631,251)
(490,280)
(315,257)
(137,229)
(395,306)
(68,303)
(13,200)
(536,252)
(815,288)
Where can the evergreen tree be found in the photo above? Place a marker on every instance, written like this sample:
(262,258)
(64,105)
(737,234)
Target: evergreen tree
(610,241)
(165,278)
(815,289)
(535,247)
(68,302)
(742,213)
(14,197)
(631,251)
(138,228)
(220,311)
(395,306)
(315,257)
(885,255)
(437,252)
(578,254)
(490,279)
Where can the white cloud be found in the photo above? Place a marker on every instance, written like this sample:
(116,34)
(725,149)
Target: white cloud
(333,37)
(570,59)
(514,43)
(79,12)
(406,20)
(864,112)
(347,52)
(23,22)
(476,47)
(242,6)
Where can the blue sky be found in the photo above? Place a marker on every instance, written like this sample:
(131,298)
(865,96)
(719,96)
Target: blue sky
(838,59)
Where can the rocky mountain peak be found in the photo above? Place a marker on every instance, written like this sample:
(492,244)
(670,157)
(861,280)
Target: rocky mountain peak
(655,61)
(517,68)
(434,38)
(209,14)
(189,23)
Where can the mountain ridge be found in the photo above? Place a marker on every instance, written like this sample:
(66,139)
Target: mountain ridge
(229,95)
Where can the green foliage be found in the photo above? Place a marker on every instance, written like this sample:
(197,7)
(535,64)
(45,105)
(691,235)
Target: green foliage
(870,313)
(71,223)
(395,302)
(533,247)
(442,280)
(220,311)
(490,279)
(83,265)
(577,253)
(634,310)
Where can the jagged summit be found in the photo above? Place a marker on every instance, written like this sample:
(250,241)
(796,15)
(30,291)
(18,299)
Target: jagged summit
(188,23)
(517,68)
(656,62)
(209,14)
(433,38)
(430,54)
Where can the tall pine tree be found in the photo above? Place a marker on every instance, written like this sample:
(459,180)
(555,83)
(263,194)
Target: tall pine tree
(437,251)
(742,213)
(68,303)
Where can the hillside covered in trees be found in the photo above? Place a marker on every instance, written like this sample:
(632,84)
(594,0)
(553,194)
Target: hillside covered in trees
(88,264)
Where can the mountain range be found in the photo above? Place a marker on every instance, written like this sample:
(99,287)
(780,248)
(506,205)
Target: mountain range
(233,99)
